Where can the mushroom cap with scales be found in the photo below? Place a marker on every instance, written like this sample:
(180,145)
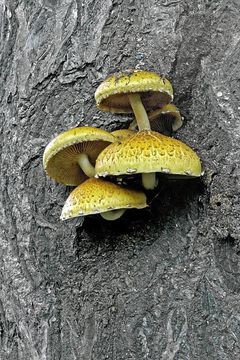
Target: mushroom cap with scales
(112,93)
(148,152)
(60,158)
(98,196)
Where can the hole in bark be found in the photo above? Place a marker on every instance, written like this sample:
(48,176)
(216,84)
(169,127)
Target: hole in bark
(226,255)
(230,240)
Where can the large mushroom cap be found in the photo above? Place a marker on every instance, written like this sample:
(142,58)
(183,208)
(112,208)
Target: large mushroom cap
(169,113)
(154,90)
(98,196)
(60,158)
(148,152)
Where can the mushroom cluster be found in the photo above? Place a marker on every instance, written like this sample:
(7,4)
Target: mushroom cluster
(84,156)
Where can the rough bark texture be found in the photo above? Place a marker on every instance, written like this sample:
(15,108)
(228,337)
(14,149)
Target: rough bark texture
(159,284)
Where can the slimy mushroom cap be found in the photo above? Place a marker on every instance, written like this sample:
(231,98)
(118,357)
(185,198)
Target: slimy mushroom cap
(60,158)
(98,196)
(154,90)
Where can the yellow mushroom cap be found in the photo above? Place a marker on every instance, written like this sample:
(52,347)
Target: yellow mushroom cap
(60,158)
(169,110)
(111,95)
(148,152)
(123,134)
(96,196)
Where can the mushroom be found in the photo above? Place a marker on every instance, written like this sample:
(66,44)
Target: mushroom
(70,157)
(148,152)
(95,196)
(123,134)
(165,119)
(134,91)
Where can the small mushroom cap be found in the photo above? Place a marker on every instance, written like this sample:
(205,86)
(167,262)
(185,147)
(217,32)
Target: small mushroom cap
(147,152)
(60,158)
(169,112)
(96,196)
(123,134)
(167,118)
(112,93)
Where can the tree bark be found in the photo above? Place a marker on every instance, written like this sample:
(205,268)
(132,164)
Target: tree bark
(161,283)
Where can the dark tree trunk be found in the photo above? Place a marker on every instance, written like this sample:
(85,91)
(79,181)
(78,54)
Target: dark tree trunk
(158,284)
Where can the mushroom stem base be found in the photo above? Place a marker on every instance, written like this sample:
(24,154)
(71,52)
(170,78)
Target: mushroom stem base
(113,214)
(139,111)
(85,165)
(149,181)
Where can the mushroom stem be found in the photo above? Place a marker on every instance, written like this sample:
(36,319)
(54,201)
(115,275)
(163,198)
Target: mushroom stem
(139,111)
(113,214)
(149,181)
(85,165)
(133,125)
